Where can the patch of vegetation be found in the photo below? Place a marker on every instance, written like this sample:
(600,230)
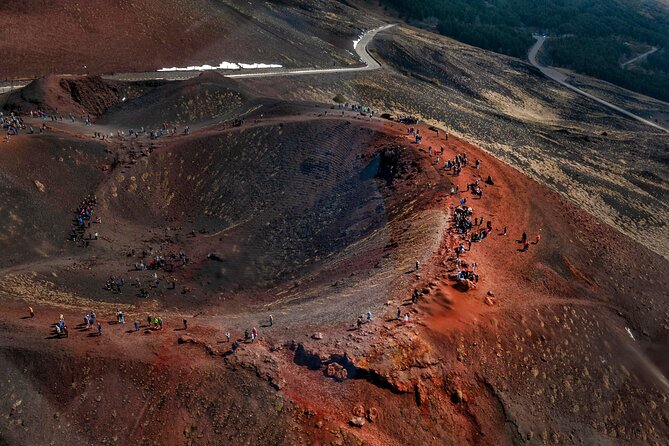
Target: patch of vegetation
(339,98)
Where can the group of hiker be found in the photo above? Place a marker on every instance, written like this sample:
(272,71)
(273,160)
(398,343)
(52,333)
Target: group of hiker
(60,328)
(90,320)
(153,323)
(158,261)
(114,284)
(525,242)
(362,109)
(12,123)
(81,223)
(415,132)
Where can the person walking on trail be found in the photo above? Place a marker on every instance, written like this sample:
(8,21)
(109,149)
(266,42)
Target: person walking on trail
(30,310)
(505,228)
(523,239)
(136,325)
(359,322)
(406,318)
(254,334)
(417,265)
(399,313)
(369,316)
(538,238)
(185,324)
(99,329)
(227,335)
(271,320)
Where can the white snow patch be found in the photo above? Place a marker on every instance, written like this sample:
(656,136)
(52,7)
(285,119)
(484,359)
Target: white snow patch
(223,66)
(629,332)
(357,41)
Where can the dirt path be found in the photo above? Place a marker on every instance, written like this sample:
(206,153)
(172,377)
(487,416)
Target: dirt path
(639,57)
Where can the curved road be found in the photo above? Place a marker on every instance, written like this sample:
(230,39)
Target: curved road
(361,49)
(561,79)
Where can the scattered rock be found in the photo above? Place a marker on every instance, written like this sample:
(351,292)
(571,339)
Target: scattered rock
(357,421)
(490,293)
(215,257)
(40,186)
(456,396)
(319,425)
(336,371)
(489,301)
(372,414)
(359,410)
(317,335)
(186,339)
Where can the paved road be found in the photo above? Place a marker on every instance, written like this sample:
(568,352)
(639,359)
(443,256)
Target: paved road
(639,57)
(561,78)
(14,86)
(361,49)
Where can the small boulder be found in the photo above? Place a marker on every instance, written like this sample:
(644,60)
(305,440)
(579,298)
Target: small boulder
(359,410)
(357,421)
(40,186)
(185,339)
(336,371)
(456,396)
(317,335)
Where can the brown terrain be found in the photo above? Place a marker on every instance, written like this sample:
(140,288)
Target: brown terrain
(287,204)
(100,36)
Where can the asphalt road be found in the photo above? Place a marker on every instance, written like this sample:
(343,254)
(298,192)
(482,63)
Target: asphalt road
(361,49)
(561,79)
(639,57)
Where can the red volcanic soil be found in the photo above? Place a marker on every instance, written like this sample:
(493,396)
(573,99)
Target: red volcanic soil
(79,95)
(41,37)
(316,218)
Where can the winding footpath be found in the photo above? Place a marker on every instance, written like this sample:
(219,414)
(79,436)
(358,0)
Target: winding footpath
(561,79)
